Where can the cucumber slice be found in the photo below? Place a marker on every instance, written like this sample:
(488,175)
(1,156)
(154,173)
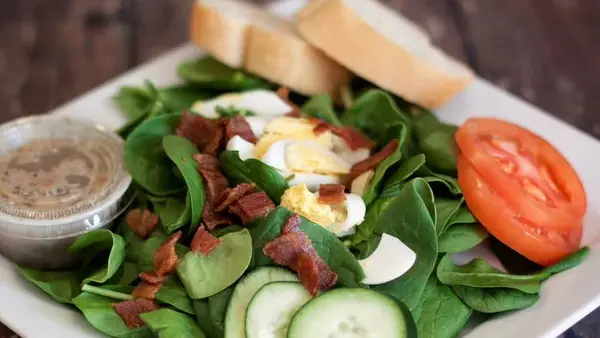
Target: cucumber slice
(271,309)
(235,318)
(352,313)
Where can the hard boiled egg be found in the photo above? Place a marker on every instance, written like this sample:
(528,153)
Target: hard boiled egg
(243,147)
(264,103)
(341,148)
(311,157)
(390,260)
(355,215)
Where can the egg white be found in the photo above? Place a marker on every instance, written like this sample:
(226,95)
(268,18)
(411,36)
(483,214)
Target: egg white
(264,103)
(243,147)
(355,211)
(390,260)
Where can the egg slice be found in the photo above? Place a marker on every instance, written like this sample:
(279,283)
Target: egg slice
(355,209)
(390,260)
(287,125)
(341,148)
(243,147)
(265,142)
(360,184)
(261,102)
(311,157)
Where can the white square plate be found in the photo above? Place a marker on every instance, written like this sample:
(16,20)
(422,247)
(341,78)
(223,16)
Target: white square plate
(565,298)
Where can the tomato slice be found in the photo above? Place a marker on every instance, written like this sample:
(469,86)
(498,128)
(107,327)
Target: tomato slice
(541,245)
(526,171)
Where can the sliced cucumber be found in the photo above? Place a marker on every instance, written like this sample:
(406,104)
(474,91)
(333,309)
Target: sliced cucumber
(235,319)
(352,313)
(272,308)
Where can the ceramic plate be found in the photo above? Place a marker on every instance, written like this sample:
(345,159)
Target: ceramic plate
(565,298)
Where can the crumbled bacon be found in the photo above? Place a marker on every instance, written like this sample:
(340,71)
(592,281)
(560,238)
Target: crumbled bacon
(130,311)
(146,290)
(214,181)
(197,129)
(165,257)
(151,277)
(238,125)
(331,194)
(204,242)
(292,224)
(142,223)
(231,195)
(284,94)
(371,162)
(216,142)
(213,219)
(321,127)
(294,249)
(354,138)
(251,206)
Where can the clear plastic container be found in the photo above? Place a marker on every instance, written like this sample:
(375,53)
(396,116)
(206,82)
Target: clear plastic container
(59,178)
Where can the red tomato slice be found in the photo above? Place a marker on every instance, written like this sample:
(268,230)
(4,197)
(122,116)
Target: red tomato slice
(526,171)
(541,245)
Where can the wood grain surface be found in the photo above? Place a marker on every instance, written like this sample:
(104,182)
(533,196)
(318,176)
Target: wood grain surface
(545,51)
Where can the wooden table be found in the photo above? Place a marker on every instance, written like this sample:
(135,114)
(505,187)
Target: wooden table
(545,51)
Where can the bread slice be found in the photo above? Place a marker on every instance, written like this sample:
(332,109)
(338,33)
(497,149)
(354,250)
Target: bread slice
(384,48)
(245,36)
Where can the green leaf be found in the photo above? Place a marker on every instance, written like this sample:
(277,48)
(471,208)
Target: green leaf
(410,218)
(462,216)
(439,312)
(60,285)
(146,160)
(568,262)
(206,324)
(167,323)
(327,245)
(494,300)
(109,291)
(141,252)
(173,293)
(232,111)
(436,141)
(365,249)
(254,171)
(210,73)
(128,274)
(462,237)
(134,102)
(174,212)
(180,97)
(99,312)
(321,106)
(217,308)
(376,182)
(181,152)
(93,246)
(407,168)
(448,182)
(445,210)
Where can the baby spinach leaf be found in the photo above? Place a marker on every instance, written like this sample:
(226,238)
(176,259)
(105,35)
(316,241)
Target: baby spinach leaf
(448,182)
(321,106)
(173,293)
(141,252)
(462,216)
(376,182)
(222,231)
(99,312)
(167,323)
(128,273)
(174,212)
(445,210)
(94,245)
(119,292)
(210,73)
(439,312)
(462,237)
(146,160)
(206,324)
(568,262)
(479,273)
(180,97)
(60,285)
(436,140)
(204,276)
(365,249)
(217,307)
(495,299)
(398,179)
(232,111)
(134,102)
(254,171)
(327,245)
(181,152)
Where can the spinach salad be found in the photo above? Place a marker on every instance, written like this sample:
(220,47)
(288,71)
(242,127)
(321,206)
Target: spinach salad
(388,247)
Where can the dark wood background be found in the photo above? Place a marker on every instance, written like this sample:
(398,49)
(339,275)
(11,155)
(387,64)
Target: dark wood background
(545,51)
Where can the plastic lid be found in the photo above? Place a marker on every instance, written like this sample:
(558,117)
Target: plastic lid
(59,176)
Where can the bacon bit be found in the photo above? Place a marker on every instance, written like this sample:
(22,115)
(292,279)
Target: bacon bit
(213,219)
(165,257)
(151,277)
(197,129)
(142,223)
(292,224)
(215,182)
(231,195)
(130,311)
(371,162)
(239,126)
(284,94)
(252,206)
(146,290)
(216,142)
(309,272)
(204,242)
(331,193)
(321,127)
(354,138)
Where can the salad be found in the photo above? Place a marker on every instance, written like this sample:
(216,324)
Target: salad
(264,213)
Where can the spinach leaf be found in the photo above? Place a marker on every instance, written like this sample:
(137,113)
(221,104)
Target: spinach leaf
(382,168)
(462,216)
(181,152)
(462,237)
(134,102)
(494,300)
(222,231)
(94,245)
(254,171)
(60,285)
(174,212)
(449,182)
(436,141)
(206,324)
(145,157)
(321,106)
(439,312)
(118,292)
(408,217)
(407,168)
(99,312)
(173,293)
(210,73)
(365,249)
(128,273)
(167,323)
(445,210)
(180,97)
(327,245)
(568,262)
(217,307)
(141,251)
(232,111)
